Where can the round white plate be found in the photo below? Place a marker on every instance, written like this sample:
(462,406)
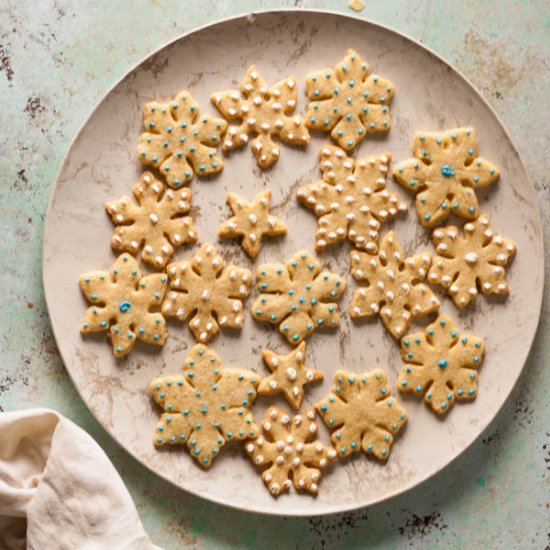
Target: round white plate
(101,165)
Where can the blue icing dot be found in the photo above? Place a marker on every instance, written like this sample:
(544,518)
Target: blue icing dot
(447,171)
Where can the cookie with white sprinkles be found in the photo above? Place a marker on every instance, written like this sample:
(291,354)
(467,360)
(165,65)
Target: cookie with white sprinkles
(289,375)
(474,263)
(251,221)
(392,286)
(155,220)
(263,112)
(351,201)
(289,453)
(207,293)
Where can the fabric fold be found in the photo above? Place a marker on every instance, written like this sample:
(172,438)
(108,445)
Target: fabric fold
(55,478)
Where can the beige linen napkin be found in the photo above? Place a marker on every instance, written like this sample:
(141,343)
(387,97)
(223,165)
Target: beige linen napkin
(58,489)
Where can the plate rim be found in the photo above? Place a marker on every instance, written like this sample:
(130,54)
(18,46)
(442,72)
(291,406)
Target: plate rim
(250,15)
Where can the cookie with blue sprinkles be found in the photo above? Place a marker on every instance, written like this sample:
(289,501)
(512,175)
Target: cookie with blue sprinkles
(348,102)
(361,414)
(444,174)
(125,304)
(179,142)
(206,406)
(441,365)
(298,296)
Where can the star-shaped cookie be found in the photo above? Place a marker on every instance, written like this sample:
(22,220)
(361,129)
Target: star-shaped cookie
(289,375)
(251,221)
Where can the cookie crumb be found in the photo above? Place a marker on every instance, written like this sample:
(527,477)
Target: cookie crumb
(356,5)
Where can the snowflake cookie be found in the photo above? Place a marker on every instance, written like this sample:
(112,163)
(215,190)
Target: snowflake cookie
(289,452)
(264,112)
(393,286)
(124,303)
(157,221)
(347,102)
(178,141)
(289,375)
(206,406)
(351,200)
(444,174)
(441,365)
(361,414)
(297,296)
(472,264)
(211,295)
(251,221)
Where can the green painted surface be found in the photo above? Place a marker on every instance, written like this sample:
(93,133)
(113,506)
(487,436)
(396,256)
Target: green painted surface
(57,58)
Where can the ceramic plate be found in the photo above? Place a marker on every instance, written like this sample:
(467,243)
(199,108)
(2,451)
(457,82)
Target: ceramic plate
(101,165)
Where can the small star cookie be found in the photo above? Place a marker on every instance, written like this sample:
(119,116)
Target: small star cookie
(361,414)
(289,452)
(211,295)
(206,406)
(290,375)
(251,221)
(156,221)
(348,102)
(444,174)
(393,290)
(441,365)
(124,303)
(470,264)
(264,112)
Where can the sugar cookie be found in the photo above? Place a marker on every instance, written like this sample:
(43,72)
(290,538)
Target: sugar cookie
(444,174)
(206,406)
(393,290)
(156,221)
(289,375)
(441,365)
(251,221)
(289,452)
(211,295)
(351,200)
(264,112)
(347,102)
(361,414)
(178,142)
(297,296)
(470,264)
(124,303)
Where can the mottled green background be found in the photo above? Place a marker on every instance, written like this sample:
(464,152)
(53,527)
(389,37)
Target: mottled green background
(57,58)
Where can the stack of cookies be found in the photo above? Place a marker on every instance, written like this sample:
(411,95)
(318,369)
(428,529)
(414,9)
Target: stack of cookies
(207,405)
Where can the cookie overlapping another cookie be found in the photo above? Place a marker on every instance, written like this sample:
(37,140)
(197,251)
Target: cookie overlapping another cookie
(351,200)
(206,406)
